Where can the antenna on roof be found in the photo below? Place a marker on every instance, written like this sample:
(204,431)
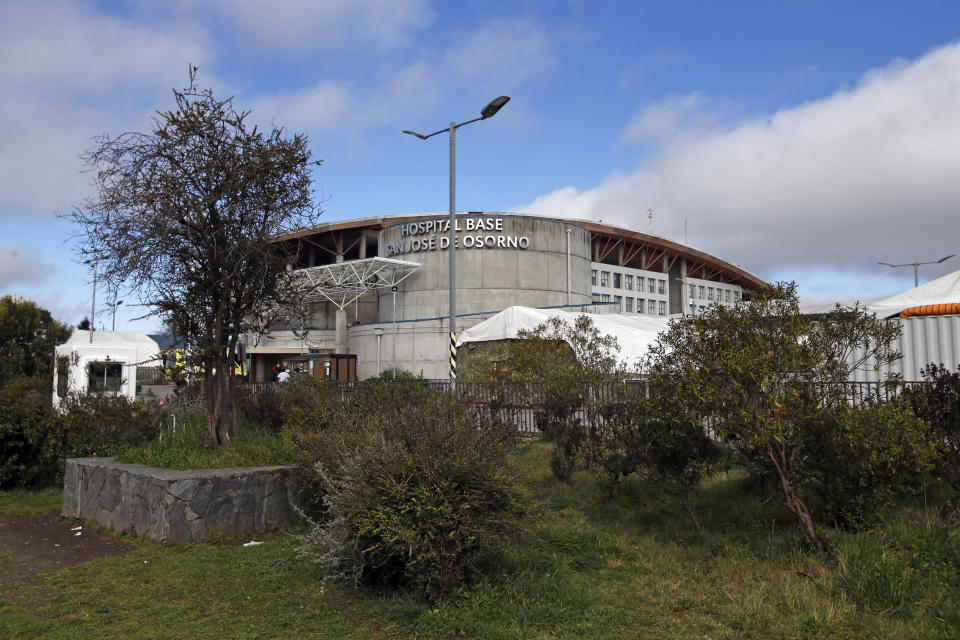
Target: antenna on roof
(650,217)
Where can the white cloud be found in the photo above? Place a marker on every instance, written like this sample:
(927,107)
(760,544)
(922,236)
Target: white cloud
(22,266)
(69,74)
(300,26)
(501,54)
(866,174)
(490,60)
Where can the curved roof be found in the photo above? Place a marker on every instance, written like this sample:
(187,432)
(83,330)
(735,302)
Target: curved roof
(609,237)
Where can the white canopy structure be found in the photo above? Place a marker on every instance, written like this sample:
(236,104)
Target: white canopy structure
(104,361)
(943,290)
(343,282)
(635,333)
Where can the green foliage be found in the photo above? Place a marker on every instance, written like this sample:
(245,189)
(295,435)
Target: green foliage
(582,566)
(414,489)
(28,442)
(859,459)
(36,440)
(28,336)
(187,447)
(96,424)
(938,402)
(762,373)
(562,361)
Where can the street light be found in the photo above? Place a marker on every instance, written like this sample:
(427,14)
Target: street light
(487,112)
(116,303)
(916,265)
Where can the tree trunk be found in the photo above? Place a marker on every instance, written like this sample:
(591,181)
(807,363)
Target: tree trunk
(794,503)
(686,505)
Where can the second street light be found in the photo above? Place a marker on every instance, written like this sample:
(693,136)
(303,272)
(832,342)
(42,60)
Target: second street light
(487,112)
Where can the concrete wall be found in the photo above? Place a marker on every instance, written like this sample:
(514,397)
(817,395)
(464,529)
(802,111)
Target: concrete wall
(489,279)
(178,506)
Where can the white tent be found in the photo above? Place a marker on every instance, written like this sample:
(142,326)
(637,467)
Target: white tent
(943,290)
(108,362)
(635,333)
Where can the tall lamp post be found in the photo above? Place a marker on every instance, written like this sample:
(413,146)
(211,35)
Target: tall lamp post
(487,112)
(916,267)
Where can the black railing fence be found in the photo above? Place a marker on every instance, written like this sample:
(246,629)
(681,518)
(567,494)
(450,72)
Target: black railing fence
(519,404)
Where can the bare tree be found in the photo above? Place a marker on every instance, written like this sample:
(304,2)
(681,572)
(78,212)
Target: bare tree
(186,215)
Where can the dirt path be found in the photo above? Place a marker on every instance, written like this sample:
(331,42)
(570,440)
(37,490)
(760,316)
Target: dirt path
(32,545)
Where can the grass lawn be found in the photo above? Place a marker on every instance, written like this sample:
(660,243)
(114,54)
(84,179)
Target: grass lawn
(583,567)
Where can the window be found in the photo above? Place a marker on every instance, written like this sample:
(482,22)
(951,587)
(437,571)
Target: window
(604,278)
(661,286)
(619,302)
(593,277)
(709,293)
(629,304)
(662,308)
(104,376)
(726,295)
(628,283)
(693,291)
(639,305)
(616,281)
(605,297)
(652,307)
(639,283)
(693,309)
(701,291)
(736,295)
(651,285)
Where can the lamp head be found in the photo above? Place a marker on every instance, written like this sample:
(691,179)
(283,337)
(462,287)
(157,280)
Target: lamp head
(414,133)
(491,109)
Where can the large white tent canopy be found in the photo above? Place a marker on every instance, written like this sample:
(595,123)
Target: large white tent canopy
(635,334)
(943,290)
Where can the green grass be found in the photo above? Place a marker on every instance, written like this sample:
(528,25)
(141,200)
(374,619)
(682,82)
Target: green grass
(582,567)
(186,448)
(30,502)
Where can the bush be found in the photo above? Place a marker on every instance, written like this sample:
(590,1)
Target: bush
(413,492)
(28,440)
(36,440)
(103,425)
(938,402)
(859,459)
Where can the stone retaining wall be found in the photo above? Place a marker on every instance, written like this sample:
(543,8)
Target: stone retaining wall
(178,506)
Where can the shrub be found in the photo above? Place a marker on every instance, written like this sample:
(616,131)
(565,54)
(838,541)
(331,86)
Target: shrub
(28,442)
(413,493)
(36,440)
(938,402)
(103,425)
(859,459)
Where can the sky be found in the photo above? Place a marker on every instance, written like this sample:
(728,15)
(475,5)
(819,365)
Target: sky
(802,140)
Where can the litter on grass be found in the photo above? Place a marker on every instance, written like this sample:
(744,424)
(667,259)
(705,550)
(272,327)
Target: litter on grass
(252,543)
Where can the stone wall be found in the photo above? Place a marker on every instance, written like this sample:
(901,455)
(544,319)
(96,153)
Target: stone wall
(178,506)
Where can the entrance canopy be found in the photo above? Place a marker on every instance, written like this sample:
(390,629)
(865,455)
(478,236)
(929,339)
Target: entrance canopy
(343,282)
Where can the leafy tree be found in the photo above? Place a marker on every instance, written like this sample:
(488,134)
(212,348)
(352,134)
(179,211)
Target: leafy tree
(28,336)
(186,214)
(762,373)
(566,363)
(84,325)
(938,402)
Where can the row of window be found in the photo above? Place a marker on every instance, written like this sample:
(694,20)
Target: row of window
(707,293)
(625,281)
(651,307)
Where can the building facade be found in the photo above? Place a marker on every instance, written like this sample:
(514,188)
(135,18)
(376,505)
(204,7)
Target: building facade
(503,259)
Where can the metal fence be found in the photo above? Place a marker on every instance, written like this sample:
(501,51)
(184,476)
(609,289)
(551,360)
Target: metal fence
(519,404)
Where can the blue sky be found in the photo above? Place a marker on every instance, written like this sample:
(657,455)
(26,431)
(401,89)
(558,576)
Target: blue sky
(802,140)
